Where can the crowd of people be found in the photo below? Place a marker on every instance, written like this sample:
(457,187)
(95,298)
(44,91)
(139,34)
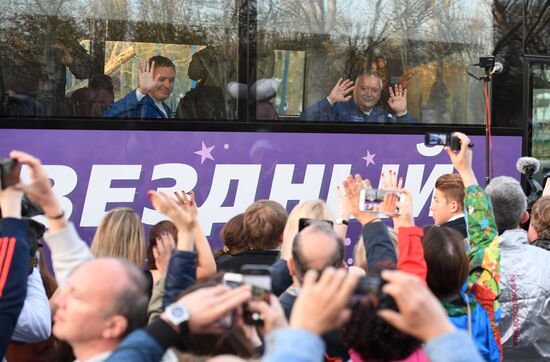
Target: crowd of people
(472,287)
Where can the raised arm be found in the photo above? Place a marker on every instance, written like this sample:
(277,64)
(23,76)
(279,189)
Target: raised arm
(14,263)
(378,245)
(323,110)
(67,249)
(484,255)
(409,237)
(206,264)
(183,262)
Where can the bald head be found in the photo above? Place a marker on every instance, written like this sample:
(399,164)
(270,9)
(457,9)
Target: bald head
(106,295)
(316,247)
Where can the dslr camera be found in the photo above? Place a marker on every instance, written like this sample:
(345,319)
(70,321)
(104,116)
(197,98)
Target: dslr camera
(369,291)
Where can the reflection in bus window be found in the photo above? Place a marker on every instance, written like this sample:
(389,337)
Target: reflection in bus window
(209,70)
(289,68)
(35,51)
(432,41)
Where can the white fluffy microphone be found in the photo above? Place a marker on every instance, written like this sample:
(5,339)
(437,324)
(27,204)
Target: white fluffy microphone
(498,68)
(528,165)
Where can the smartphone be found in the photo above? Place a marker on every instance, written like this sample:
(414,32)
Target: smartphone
(305,222)
(10,170)
(442,139)
(232,280)
(371,200)
(259,277)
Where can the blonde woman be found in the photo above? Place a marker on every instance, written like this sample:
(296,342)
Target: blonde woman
(311,209)
(121,234)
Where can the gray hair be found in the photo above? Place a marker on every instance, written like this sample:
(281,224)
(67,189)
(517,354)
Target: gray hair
(365,73)
(509,202)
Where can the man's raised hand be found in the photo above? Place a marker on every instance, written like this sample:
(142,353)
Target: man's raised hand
(341,91)
(398,99)
(147,81)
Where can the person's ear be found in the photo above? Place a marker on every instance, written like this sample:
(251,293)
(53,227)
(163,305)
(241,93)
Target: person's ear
(291,267)
(454,206)
(116,327)
(524,218)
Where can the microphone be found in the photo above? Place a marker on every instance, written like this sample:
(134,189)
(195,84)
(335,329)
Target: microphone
(497,69)
(528,166)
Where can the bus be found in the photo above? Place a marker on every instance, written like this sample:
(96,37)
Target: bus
(247,72)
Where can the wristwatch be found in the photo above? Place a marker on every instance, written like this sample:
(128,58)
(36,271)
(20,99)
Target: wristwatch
(178,315)
(341,221)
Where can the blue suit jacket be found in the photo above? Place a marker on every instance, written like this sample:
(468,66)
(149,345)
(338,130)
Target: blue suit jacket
(129,107)
(350,112)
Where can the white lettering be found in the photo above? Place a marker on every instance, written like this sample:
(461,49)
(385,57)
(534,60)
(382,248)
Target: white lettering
(428,151)
(284,190)
(413,183)
(186,179)
(339,174)
(211,210)
(100,193)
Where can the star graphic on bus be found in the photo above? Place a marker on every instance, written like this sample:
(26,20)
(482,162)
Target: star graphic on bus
(369,158)
(205,152)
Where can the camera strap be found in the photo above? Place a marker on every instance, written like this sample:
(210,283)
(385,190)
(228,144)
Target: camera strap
(469,311)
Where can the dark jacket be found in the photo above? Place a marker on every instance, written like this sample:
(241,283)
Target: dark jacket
(459,225)
(380,250)
(233,263)
(350,112)
(280,277)
(14,270)
(181,274)
(129,107)
(336,347)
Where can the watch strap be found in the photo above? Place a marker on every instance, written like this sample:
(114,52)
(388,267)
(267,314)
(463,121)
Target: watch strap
(164,334)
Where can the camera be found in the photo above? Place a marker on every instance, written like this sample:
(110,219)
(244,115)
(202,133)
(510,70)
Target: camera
(9,172)
(305,222)
(443,139)
(369,291)
(372,200)
(259,277)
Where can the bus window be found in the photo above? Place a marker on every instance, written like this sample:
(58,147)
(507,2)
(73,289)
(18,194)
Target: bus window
(78,58)
(426,47)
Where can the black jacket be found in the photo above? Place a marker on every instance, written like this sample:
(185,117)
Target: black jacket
(459,225)
(233,263)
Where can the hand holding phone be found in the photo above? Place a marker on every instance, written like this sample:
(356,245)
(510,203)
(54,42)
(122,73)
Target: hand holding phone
(10,169)
(376,201)
(444,139)
(259,277)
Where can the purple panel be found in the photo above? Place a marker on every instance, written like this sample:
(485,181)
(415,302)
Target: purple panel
(365,154)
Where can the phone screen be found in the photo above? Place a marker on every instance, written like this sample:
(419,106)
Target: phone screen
(436,139)
(259,277)
(371,200)
(10,171)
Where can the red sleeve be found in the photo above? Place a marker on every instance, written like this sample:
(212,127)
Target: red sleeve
(411,254)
